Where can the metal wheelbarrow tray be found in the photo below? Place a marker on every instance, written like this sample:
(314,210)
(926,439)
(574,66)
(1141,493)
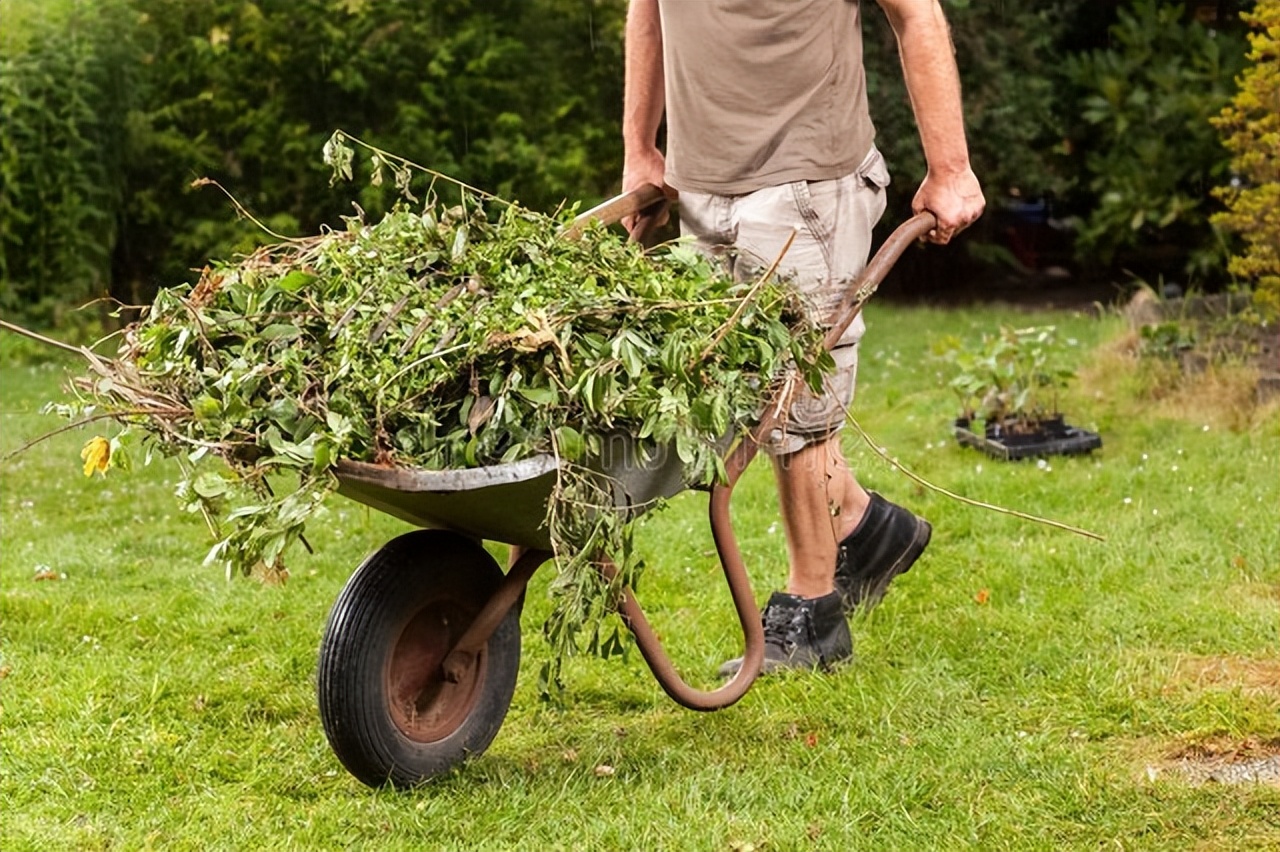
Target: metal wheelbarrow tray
(420,654)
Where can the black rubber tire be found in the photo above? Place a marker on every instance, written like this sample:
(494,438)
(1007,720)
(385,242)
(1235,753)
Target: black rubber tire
(400,612)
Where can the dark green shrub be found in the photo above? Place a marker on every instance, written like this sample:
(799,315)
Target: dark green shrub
(518,97)
(1146,156)
(67,80)
(111,109)
(1007,54)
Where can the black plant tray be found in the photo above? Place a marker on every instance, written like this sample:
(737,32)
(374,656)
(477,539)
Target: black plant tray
(1050,437)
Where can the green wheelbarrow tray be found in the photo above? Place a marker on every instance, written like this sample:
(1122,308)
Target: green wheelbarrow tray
(421,649)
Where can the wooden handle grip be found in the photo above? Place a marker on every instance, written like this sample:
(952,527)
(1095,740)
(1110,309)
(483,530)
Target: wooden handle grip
(618,208)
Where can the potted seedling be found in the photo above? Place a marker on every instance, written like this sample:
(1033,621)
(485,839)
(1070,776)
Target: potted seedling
(1008,391)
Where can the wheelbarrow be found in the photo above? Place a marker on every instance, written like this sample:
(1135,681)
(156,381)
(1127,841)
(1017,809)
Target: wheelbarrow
(421,650)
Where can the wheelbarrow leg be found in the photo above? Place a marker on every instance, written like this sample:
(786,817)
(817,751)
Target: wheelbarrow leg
(461,658)
(744,602)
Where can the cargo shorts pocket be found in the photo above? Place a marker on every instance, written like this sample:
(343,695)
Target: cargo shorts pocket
(810,418)
(874,171)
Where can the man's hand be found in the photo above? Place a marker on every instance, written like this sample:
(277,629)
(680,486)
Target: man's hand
(639,168)
(956,199)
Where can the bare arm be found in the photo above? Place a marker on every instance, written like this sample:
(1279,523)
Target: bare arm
(643,97)
(950,189)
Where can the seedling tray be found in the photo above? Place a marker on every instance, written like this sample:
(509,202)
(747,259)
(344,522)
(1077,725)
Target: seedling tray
(1051,437)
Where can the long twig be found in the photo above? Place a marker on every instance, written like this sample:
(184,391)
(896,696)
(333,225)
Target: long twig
(240,208)
(49,341)
(746,300)
(424,359)
(388,157)
(84,421)
(915,477)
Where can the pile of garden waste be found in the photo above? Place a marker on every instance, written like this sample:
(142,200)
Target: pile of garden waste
(441,336)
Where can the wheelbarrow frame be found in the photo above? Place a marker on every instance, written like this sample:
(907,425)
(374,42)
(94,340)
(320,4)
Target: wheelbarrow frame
(477,503)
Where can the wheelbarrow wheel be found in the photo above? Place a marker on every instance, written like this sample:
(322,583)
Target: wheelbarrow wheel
(388,711)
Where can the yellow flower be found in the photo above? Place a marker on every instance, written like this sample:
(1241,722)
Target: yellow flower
(96,455)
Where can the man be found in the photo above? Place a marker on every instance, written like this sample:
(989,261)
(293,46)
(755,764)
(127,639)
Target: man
(768,134)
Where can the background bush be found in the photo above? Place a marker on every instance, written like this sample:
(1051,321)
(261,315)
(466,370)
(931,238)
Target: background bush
(109,109)
(1251,127)
(67,81)
(1008,55)
(1144,153)
(521,97)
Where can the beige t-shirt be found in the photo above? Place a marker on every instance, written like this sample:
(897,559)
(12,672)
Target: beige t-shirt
(763,92)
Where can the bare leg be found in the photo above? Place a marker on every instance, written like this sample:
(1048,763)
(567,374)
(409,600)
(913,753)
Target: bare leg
(821,503)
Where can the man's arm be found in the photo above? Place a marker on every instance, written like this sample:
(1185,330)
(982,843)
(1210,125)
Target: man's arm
(643,97)
(950,189)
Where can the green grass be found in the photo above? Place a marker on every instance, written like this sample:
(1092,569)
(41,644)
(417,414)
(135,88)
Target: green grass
(148,702)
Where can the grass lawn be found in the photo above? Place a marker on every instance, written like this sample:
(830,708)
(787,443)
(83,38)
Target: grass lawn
(1021,688)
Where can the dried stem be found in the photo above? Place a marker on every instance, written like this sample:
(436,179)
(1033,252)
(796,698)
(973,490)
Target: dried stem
(746,300)
(48,341)
(84,421)
(240,208)
(915,477)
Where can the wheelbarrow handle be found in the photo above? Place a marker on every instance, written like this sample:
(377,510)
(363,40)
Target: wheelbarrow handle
(644,199)
(862,289)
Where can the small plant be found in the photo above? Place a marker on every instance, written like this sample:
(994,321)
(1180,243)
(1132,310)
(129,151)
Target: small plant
(1167,339)
(1011,382)
(1012,379)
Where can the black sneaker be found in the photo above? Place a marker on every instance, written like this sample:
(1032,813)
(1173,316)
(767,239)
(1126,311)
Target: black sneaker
(801,633)
(886,542)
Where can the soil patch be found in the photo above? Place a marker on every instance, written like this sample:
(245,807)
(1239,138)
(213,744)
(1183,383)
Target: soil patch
(1236,762)
(1220,760)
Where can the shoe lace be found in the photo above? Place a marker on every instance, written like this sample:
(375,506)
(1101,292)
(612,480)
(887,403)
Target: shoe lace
(785,627)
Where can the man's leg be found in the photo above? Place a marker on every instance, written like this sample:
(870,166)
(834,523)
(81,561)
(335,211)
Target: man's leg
(821,503)
(845,545)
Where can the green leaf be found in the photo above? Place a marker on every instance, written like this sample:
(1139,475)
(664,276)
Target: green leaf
(280,332)
(295,281)
(210,485)
(539,395)
(569,443)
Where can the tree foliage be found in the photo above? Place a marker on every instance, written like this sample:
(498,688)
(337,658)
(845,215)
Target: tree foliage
(66,83)
(1251,131)
(506,95)
(1007,55)
(109,109)
(112,108)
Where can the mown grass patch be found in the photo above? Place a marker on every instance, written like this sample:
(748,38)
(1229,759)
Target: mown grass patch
(1005,696)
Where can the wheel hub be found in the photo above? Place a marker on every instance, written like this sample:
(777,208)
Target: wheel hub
(424,705)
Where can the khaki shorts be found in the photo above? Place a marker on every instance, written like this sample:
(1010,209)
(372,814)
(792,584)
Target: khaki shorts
(832,220)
